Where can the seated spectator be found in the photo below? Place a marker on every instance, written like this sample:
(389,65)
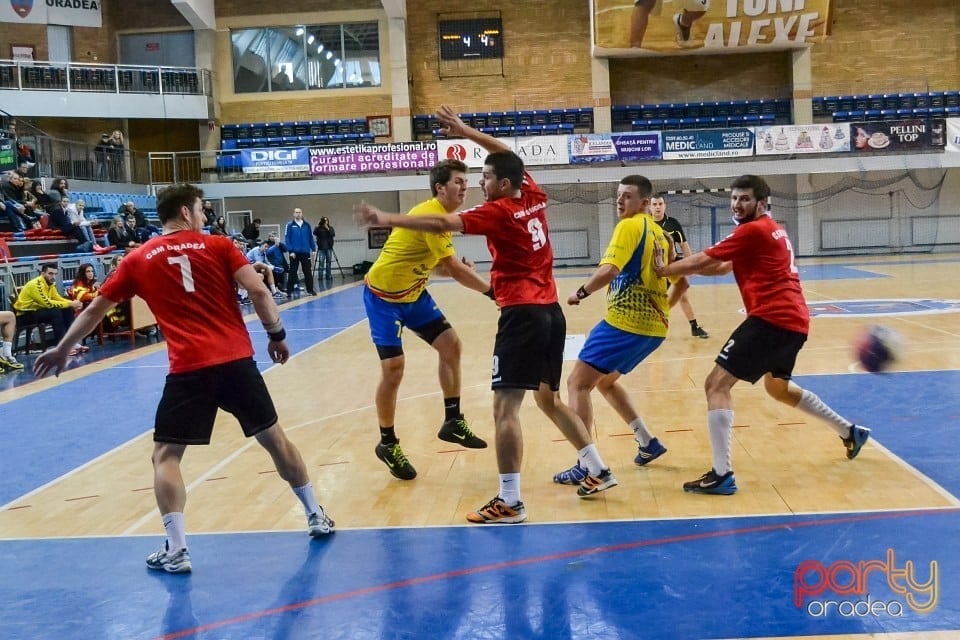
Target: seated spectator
(59,188)
(60,219)
(15,209)
(44,199)
(219,227)
(121,235)
(252,233)
(85,286)
(145,230)
(258,258)
(79,218)
(39,301)
(8,331)
(276,254)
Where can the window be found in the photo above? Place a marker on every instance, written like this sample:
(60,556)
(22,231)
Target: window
(301,57)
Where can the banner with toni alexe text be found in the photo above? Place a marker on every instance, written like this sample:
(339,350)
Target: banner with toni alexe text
(626,28)
(70,13)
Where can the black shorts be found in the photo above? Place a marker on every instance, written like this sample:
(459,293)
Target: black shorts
(529,347)
(757,347)
(190,401)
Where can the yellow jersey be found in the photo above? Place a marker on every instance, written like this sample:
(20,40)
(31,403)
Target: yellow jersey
(637,297)
(401,270)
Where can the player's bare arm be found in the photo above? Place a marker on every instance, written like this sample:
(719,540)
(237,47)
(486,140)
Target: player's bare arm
(453,127)
(464,273)
(601,277)
(53,360)
(698,263)
(266,310)
(368,215)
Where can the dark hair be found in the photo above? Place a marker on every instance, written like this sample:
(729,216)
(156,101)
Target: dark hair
(506,164)
(759,186)
(440,172)
(172,198)
(49,265)
(80,279)
(257,221)
(643,185)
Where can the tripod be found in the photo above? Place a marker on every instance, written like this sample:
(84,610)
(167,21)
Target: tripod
(333,253)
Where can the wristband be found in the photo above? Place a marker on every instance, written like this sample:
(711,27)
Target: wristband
(582,293)
(278,336)
(489,293)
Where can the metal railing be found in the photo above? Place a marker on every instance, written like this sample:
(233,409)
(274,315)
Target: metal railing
(103,78)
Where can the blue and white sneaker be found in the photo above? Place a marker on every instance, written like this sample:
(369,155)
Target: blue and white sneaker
(163,560)
(712,483)
(319,524)
(574,475)
(649,453)
(855,441)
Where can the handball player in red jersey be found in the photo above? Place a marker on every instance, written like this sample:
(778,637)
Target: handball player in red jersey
(188,280)
(528,352)
(766,344)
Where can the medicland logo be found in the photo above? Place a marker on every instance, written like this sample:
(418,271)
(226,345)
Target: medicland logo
(866,589)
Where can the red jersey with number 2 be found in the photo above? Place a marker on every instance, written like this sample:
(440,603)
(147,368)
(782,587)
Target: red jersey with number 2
(766,273)
(518,239)
(187,280)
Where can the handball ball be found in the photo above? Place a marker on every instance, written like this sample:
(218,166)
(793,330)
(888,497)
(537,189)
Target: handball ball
(877,347)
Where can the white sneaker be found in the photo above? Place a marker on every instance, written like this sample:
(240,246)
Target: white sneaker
(319,524)
(683,32)
(163,560)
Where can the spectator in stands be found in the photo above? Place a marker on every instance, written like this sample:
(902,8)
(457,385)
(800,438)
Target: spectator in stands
(44,199)
(219,227)
(100,152)
(85,286)
(115,156)
(252,232)
(276,253)
(324,233)
(122,236)
(8,331)
(13,197)
(301,245)
(23,170)
(60,218)
(258,258)
(59,188)
(24,153)
(39,301)
(209,212)
(145,230)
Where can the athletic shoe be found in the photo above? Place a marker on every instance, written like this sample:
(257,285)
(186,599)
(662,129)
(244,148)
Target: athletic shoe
(458,431)
(710,482)
(319,524)
(392,456)
(73,352)
(574,475)
(498,512)
(163,560)
(698,332)
(649,453)
(595,484)
(683,32)
(10,362)
(855,441)
(279,295)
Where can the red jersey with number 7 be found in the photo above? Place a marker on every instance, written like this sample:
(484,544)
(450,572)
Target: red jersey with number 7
(518,239)
(766,273)
(186,278)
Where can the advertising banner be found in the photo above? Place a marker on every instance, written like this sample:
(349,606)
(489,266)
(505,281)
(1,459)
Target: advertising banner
(629,28)
(953,134)
(8,155)
(696,144)
(372,158)
(811,138)
(897,135)
(534,151)
(605,147)
(274,160)
(71,13)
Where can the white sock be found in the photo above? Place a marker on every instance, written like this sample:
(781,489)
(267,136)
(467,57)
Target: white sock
(510,488)
(308,498)
(640,432)
(720,425)
(176,531)
(7,349)
(273,288)
(812,404)
(590,460)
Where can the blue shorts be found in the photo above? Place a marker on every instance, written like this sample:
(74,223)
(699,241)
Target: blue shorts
(610,349)
(387,319)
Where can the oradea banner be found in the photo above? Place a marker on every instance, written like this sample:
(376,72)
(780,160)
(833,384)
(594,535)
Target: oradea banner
(372,158)
(894,135)
(695,144)
(606,147)
(275,159)
(811,138)
(534,151)
(628,28)
(71,13)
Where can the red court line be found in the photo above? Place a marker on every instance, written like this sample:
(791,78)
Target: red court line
(626,546)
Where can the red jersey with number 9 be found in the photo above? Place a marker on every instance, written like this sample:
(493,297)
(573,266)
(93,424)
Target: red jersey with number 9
(518,239)
(766,273)
(187,280)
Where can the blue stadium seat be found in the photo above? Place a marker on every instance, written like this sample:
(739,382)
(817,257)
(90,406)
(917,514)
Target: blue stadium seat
(845,103)
(819,106)
(841,116)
